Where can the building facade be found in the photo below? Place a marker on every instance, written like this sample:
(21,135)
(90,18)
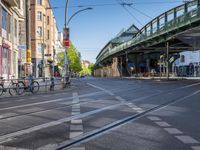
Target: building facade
(11,15)
(43,37)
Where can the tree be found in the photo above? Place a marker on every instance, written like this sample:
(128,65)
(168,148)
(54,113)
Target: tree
(73,58)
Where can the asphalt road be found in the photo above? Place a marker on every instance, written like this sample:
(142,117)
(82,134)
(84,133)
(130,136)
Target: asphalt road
(105,114)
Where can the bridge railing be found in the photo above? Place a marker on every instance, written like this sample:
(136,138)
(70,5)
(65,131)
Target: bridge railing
(165,23)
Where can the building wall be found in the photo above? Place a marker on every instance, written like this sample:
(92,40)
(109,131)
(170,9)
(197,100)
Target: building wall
(48,25)
(10,14)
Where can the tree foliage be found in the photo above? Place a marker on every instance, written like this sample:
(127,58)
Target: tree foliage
(73,58)
(88,70)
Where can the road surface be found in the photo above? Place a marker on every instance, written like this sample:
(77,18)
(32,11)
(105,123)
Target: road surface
(105,114)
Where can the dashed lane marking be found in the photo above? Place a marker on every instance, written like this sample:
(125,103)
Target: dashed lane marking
(76,121)
(152,118)
(187,139)
(76,127)
(162,124)
(77,148)
(173,131)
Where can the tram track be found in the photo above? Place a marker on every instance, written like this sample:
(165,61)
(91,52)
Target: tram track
(105,129)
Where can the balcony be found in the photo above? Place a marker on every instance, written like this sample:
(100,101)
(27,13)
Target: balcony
(12,3)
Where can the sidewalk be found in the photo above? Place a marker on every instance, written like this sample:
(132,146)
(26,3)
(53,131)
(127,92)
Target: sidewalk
(164,78)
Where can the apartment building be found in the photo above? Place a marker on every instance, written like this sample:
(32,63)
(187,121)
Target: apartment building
(11,15)
(43,36)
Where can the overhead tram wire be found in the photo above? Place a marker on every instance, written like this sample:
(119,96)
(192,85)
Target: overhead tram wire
(144,14)
(115,4)
(123,4)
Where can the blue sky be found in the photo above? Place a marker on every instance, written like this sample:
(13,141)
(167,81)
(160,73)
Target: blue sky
(91,30)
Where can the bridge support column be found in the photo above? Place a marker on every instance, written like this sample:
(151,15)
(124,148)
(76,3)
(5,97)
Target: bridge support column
(167,62)
(114,67)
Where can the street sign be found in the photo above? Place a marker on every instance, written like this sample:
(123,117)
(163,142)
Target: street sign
(66,40)
(22,47)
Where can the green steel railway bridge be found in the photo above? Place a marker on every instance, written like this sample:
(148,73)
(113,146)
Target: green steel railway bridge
(156,45)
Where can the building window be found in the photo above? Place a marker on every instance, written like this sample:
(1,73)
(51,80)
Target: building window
(39,47)
(39,2)
(39,31)
(39,16)
(4,16)
(48,20)
(48,34)
(4,61)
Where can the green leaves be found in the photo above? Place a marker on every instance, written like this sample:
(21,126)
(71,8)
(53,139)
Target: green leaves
(73,58)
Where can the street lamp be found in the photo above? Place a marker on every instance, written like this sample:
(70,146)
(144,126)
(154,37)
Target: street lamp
(66,41)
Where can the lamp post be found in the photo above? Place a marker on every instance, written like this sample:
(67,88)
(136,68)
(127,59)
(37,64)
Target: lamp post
(66,38)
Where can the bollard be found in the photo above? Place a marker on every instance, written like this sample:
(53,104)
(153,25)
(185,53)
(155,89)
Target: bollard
(52,84)
(45,84)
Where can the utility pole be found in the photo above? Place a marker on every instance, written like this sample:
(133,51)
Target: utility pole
(28,68)
(43,49)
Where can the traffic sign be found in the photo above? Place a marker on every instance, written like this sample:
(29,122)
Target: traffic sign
(66,40)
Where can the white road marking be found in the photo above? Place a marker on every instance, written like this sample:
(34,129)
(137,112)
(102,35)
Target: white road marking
(120,99)
(162,124)
(191,85)
(137,108)
(5,103)
(152,118)
(77,148)
(76,127)
(97,87)
(10,148)
(77,121)
(54,123)
(45,102)
(75,113)
(75,134)
(195,147)
(33,104)
(173,131)
(140,111)
(187,139)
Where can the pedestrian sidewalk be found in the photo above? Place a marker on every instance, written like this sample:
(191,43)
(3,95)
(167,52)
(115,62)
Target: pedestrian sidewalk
(164,78)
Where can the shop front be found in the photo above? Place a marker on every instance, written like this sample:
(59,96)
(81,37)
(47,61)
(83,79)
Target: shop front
(5,63)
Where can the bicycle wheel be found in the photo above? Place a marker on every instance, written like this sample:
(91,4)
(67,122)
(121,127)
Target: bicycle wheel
(34,87)
(13,89)
(20,88)
(1,89)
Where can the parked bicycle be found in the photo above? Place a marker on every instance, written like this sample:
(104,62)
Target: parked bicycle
(12,87)
(28,85)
